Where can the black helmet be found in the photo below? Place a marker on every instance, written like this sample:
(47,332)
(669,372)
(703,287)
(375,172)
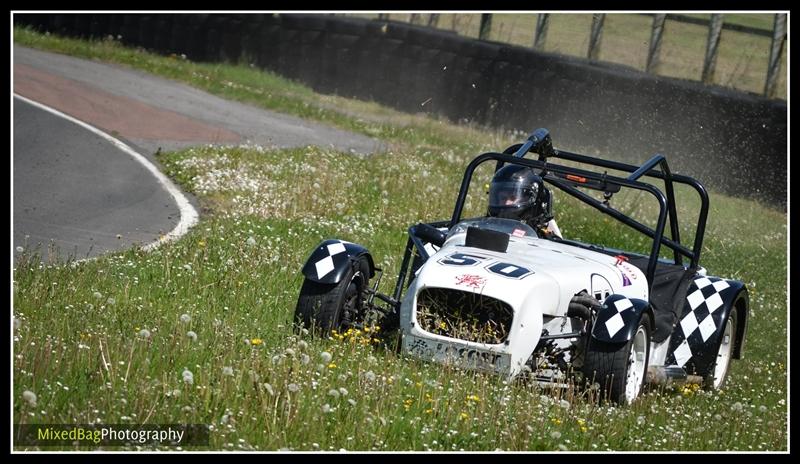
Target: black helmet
(517,193)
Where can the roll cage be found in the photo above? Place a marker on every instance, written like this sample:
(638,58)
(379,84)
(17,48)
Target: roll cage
(567,179)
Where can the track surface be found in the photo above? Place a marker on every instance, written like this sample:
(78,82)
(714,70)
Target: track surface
(78,191)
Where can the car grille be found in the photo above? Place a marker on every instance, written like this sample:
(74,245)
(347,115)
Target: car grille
(464,315)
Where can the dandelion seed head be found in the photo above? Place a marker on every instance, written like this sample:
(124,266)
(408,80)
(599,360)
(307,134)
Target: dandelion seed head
(192,335)
(305,359)
(227,371)
(97,295)
(30,397)
(188,377)
(326,357)
(334,393)
(293,387)
(185,318)
(251,241)
(144,333)
(20,249)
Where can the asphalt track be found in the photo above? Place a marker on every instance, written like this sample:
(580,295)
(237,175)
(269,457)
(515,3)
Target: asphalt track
(77,191)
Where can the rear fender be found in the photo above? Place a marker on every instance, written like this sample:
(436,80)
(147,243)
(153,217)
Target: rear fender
(618,319)
(331,260)
(696,338)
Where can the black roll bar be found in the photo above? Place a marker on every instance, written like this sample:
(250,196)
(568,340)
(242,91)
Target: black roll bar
(657,234)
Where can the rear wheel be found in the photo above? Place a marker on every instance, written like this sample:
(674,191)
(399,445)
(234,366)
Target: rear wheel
(326,307)
(619,368)
(718,374)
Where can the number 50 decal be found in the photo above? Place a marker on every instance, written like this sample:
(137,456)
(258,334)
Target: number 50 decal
(461,259)
(511,271)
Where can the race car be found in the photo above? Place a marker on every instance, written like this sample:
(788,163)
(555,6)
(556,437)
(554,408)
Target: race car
(494,294)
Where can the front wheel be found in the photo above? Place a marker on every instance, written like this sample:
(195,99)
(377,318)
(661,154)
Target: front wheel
(327,307)
(619,368)
(718,374)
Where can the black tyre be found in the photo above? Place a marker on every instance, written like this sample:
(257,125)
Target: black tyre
(322,308)
(620,369)
(718,374)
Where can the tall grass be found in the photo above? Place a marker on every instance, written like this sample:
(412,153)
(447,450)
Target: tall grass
(111,340)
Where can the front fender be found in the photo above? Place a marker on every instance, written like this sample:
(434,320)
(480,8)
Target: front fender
(331,259)
(696,338)
(618,319)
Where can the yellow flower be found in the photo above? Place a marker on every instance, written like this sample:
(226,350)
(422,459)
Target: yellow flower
(201,243)
(331,366)
(556,421)
(428,411)
(464,416)
(256,341)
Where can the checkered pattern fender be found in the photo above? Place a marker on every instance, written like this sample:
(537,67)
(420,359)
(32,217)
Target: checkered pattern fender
(695,338)
(618,318)
(331,260)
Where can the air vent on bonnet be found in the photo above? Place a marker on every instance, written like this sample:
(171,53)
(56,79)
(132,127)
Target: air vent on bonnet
(486,239)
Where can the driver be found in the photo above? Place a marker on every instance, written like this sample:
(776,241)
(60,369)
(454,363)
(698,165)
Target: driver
(517,193)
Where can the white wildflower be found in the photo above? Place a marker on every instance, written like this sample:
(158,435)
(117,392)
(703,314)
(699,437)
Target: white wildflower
(227,371)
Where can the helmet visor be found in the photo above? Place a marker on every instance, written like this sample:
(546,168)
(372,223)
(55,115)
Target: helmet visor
(511,194)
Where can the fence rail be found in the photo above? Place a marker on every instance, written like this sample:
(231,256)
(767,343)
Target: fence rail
(716,23)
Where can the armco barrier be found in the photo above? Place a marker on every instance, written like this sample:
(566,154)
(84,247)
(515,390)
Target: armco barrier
(729,140)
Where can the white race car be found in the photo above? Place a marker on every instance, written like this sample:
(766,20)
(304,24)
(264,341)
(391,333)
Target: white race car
(491,294)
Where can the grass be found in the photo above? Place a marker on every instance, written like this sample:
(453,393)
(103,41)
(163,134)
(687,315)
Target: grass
(109,340)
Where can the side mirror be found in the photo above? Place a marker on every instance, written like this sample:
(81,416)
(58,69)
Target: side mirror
(430,234)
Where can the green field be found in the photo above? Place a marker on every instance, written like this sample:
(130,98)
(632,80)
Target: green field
(741,63)
(112,340)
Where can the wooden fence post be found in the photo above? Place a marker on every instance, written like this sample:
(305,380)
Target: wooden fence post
(597,32)
(714,31)
(486,26)
(775,52)
(542,21)
(433,20)
(655,42)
